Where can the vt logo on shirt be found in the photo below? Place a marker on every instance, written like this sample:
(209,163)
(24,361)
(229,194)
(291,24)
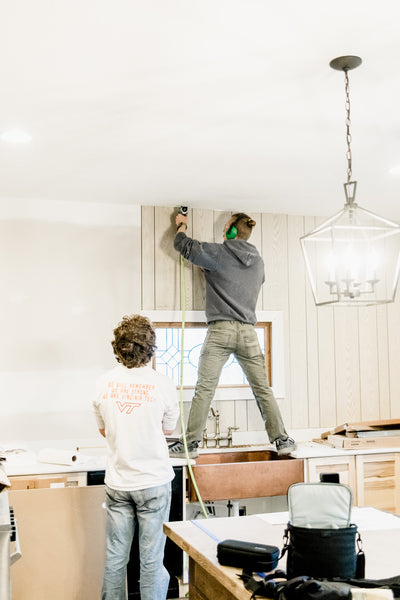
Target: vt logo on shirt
(127,407)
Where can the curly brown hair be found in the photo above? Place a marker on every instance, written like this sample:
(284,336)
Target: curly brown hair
(134,341)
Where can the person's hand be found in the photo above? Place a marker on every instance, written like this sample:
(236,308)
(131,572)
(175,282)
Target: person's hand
(181,222)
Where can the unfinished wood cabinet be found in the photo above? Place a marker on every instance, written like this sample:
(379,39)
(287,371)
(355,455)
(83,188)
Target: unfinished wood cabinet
(378,481)
(35,482)
(53,480)
(344,465)
(62,538)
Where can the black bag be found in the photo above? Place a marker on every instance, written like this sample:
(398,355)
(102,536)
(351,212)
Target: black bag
(320,541)
(323,553)
(299,588)
(257,557)
(274,585)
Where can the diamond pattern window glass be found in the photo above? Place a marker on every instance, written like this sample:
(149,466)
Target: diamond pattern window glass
(167,358)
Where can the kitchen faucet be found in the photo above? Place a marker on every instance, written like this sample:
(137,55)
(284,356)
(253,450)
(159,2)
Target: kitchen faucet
(217,437)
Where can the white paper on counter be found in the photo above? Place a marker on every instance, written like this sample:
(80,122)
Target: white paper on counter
(57,457)
(366,518)
(369,519)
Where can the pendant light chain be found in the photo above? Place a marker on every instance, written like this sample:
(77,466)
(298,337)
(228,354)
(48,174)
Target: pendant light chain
(348,123)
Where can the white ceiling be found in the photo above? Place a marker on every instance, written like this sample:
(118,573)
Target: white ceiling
(224,104)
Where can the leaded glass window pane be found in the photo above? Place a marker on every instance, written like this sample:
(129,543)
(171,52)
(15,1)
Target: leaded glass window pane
(168,356)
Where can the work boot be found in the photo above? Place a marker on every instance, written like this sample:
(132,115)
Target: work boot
(177,450)
(285,446)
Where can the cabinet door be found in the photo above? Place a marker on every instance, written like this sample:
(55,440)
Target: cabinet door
(22,483)
(378,481)
(62,538)
(344,465)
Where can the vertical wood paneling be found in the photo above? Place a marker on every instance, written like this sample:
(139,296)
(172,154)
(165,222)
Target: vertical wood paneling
(203,230)
(312,346)
(383,361)
(297,324)
(167,263)
(326,360)
(148,277)
(274,252)
(241,414)
(220,218)
(347,364)
(327,383)
(254,419)
(340,364)
(369,364)
(256,240)
(227,415)
(275,294)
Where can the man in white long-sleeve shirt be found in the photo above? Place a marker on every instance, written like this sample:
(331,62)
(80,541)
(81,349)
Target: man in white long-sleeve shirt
(135,408)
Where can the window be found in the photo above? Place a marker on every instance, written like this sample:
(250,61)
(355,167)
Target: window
(231,387)
(167,358)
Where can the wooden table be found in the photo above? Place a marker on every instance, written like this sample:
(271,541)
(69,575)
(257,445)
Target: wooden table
(209,580)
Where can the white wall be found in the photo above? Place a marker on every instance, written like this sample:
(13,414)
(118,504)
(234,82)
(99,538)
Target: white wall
(69,272)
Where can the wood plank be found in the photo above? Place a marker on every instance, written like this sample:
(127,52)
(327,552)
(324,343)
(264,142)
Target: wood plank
(167,262)
(327,380)
(297,324)
(208,587)
(220,218)
(275,254)
(369,375)
(254,419)
(276,290)
(383,361)
(203,230)
(240,407)
(256,240)
(312,347)
(347,364)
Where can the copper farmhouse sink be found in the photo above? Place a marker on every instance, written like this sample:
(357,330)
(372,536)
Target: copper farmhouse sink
(244,474)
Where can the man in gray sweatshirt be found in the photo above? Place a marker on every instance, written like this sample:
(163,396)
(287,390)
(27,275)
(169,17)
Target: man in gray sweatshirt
(234,273)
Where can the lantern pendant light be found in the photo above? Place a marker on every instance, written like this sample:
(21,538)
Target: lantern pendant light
(353,258)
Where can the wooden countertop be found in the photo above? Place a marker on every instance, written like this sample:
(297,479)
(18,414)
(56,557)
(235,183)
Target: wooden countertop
(381,541)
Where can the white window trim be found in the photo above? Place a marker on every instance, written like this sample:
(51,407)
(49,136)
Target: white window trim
(274,317)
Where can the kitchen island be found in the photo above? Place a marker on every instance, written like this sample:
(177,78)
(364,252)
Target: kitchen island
(209,580)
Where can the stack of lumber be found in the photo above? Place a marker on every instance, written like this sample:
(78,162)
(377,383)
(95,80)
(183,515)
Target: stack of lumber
(369,434)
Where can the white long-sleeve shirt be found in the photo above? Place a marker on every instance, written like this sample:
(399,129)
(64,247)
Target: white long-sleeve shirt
(134,406)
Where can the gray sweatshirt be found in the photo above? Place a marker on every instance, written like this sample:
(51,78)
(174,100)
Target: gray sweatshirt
(234,273)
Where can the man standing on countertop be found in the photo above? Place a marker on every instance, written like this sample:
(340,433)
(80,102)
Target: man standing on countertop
(135,408)
(234,273)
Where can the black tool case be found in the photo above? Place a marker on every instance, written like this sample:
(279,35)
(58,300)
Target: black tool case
(258,557)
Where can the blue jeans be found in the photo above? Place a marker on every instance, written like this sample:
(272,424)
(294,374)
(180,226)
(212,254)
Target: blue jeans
(148,509)
(240,339)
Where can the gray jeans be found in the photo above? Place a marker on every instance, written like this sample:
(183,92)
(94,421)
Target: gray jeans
(223,339)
